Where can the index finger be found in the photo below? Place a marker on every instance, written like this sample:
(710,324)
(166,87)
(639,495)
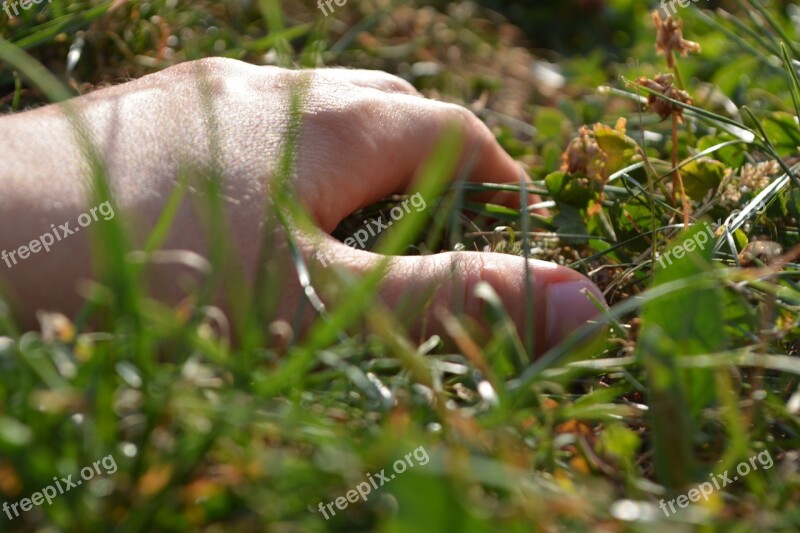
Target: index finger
(395,134)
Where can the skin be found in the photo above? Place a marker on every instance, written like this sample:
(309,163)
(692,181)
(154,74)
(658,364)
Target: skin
(363,137)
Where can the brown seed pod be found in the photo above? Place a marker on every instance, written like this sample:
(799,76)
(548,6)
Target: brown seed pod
(663,84)
(670,38)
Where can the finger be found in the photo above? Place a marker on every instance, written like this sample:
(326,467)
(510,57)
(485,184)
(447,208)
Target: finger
(448,280)
(373,79)
(379,143)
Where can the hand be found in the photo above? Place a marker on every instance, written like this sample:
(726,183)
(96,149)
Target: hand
(363,138)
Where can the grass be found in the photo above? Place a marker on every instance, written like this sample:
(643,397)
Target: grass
(250,431)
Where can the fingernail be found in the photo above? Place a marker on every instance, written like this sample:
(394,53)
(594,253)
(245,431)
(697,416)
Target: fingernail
(569,307)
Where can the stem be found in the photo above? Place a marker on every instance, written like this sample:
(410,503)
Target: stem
(677,176)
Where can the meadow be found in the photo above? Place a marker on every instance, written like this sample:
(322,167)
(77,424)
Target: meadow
(678,410)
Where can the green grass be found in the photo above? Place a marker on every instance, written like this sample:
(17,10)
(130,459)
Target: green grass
(699,370)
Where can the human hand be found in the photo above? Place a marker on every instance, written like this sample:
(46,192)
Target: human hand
(364,136)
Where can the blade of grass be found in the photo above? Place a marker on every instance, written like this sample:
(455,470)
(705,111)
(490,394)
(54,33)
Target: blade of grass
(794,83)
(775,26)
(272,12)
(47,31)
(771,46)
(430,184)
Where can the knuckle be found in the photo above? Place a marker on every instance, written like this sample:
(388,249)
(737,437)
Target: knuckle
(212,73)
(398,84)
(342,106)
(219,62)
(209,65)
(375,79)
(466,119)
(221,75)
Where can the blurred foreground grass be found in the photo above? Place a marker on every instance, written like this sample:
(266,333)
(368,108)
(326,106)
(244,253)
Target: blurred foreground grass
(699,372)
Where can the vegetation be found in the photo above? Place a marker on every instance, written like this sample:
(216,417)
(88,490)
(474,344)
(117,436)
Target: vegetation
(642,136)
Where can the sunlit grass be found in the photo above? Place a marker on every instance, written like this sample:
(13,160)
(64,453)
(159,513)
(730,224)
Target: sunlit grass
(232,423)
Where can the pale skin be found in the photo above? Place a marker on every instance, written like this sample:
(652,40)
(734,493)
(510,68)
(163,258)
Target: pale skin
(364,137)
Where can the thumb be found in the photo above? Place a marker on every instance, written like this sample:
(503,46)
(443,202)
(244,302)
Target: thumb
(448,280)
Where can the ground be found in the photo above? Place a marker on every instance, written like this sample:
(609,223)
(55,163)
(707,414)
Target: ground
(684,415)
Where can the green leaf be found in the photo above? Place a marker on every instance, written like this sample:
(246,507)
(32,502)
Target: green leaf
(572,189)
(682,324)
(732,155)
(793,202)
(693,319)
(495,211)
(569,221)
(620,442)
(619,147)
(551,124)
(630,220)
(782,130)
(701,176)
(551,156)
(669,406)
